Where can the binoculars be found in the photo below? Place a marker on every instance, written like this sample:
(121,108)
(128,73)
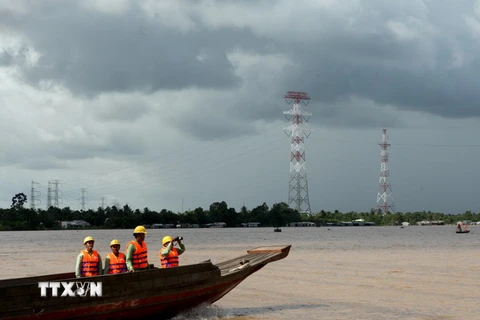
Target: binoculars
(178,238)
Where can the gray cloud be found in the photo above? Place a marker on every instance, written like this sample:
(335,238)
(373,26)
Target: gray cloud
(42,163)
(395,55)
(6,58)
(120,108)
(89,90)
(94,53)
(419,63)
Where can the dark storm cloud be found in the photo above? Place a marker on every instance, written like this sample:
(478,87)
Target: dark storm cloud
(397,54)
(92,53)
(392,73)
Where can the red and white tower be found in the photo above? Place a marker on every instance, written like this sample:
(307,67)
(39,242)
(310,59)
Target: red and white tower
(384,196)
(298,187)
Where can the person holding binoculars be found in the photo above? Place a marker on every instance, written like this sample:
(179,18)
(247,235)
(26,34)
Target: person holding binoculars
(169,253)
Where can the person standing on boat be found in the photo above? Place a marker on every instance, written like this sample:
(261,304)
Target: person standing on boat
(137,252)
(115,262)
(169,254)
(89,263)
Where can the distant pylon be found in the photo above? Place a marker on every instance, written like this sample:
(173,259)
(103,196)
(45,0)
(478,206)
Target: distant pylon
(103,203)
(83,198)
(384,196)
(53,193)
(49,195)
(115,203)
(34,194)
(298,185)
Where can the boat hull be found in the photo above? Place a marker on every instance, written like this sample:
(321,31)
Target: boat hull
(158,307)
(157,293)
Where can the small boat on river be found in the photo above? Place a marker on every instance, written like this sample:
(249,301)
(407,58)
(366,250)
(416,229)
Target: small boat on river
(159,293)
(460,229)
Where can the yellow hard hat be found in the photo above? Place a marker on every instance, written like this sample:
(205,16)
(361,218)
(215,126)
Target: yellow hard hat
(140,229)
(115,241)
(88,239)
(166,239)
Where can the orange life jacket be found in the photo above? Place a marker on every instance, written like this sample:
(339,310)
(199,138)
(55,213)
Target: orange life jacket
(117,264)
(140,256)
(170,260)
(90,264)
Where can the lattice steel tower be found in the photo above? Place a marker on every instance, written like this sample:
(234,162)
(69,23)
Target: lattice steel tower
(83,197)
(298,185)
(384,196)
(34,194)
(53,193)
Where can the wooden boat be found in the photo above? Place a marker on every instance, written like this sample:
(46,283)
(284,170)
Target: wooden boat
(159,293)
(277,229)
(463,231)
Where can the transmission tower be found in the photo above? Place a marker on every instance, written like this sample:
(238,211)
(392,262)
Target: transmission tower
(53,193)
(34,194)
(115,203)
(384,196)
(103,202)
(298,185)
(49,195)
(83,197)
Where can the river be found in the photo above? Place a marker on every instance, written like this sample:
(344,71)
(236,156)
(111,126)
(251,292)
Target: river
(427,272)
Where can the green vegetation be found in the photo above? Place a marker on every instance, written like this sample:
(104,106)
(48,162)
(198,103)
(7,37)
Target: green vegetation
(397,218)
(20,218)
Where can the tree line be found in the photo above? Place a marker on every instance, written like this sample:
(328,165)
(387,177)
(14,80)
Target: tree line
(280,214)
(20,218)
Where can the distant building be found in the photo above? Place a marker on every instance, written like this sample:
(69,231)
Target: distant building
(157,226)
(302,224)
(431,223)
(185,225)
(216,225)
(251,224)
(74,224)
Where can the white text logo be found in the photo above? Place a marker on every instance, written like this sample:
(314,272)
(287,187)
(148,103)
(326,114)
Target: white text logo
(71,289)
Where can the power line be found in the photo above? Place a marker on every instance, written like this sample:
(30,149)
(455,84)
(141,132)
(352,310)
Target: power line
(169,154)
(193,170)
(156,172)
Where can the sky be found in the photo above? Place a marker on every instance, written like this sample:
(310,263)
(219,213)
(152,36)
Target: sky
(179,104)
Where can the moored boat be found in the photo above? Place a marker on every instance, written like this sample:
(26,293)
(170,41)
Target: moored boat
(159,293)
